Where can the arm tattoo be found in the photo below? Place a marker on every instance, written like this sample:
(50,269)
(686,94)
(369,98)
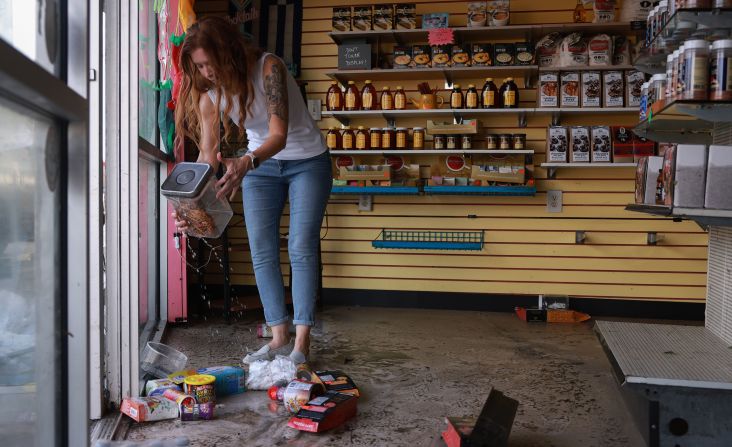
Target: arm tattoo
(275,87)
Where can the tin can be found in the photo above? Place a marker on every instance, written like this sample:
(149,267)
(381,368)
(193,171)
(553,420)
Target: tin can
(491,141)
(179,397)
(299,393)
(466,142)
(198,412)
(201,387)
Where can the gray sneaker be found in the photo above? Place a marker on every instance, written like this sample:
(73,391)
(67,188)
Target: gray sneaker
(267,353)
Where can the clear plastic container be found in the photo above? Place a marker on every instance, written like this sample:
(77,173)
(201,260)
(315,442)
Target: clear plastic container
(191,189)
(161,360)
(721,69)
(696,70)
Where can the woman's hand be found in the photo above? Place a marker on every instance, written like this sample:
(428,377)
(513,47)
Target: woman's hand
(236,168)
(180,224)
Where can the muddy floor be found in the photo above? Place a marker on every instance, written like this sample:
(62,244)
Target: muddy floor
(414,367)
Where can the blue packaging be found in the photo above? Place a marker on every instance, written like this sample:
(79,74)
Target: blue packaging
(229,379)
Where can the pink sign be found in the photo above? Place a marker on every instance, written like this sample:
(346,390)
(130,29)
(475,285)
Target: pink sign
(441,36)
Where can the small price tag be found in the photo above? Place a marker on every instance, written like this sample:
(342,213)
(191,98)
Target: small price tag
(441,36)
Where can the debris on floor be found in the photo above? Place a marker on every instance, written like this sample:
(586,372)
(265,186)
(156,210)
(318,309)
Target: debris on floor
(147,409)
(266,373)
(552,309)
(490,429)
(175,442)
(325,412)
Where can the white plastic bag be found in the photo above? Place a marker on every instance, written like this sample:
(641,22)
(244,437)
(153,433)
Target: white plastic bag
(265,373)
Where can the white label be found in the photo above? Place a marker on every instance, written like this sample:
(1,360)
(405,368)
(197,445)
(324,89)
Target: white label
(318,400)
(133,412)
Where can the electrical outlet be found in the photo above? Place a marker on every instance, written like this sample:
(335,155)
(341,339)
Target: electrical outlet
(365,203)
(554,201)
(314,106)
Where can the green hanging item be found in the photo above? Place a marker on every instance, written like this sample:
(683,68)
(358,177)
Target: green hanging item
(166,116)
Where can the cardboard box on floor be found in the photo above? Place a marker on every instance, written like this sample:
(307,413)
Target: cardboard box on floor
(325,412)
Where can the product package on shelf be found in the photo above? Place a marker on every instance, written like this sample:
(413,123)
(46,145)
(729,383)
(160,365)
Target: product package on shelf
(690,176)
(604,11)
(362,18)
(451,170)
(591,89)
(435,20)
(600,50)
(477,15)
(421,55)
(383,18)
(547,50)
(579,144)
(601,144)
(719,178)
(504,54)
(524,53)
(549,89)
(622,139)
(667,176)
(468,126)
(461,55)
(403,57)
(633,82)
(557,144)
(612,86)
(441,55)
(482,54)
(402,173)
(342,19)
(570,89)
(646,180)
(499,12)
(488,169)
(573,51)
(621,50)
(405,16)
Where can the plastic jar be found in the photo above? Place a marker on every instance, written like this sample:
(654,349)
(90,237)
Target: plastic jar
(452,142)
(387,138)
(491,141)
(669,75)
(438,142)
(504,141)
(657,89)
(696,70)
(671,83)
(401,137)
(519,141)
(720,79)
(418,138)
(662,17)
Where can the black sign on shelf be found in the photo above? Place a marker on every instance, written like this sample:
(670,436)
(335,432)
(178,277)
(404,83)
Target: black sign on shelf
(354,56)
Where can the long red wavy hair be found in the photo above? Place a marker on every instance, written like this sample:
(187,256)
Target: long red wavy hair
(233,60)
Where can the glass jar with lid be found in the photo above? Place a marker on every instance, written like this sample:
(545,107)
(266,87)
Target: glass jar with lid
(387,138)
(451,142)
(466,142)
(504,141)
(519,141)
(418,138)
(333,139)
(401,137)
(438,142)
(348,138)
(491,141)
(375,138)
(362,138)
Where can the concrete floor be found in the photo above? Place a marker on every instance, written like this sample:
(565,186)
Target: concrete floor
(414,367)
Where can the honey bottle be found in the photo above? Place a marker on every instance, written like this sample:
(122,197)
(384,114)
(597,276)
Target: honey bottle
(471,97)
(353,98)
(509,94)
(368,97)
(386,101)
(456,97)
(362,138)
(333,139)
(348,138)
(400,98)
(490,92)
(334,97)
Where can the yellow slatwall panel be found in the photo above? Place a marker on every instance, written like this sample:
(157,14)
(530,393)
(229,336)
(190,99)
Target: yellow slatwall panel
(528,251)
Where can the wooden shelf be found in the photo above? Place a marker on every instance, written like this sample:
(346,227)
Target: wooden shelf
(431,152)
(465,34)
(589,68)
(443,73)
(552,167)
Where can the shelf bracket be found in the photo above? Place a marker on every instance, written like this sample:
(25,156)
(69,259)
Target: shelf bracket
(448,77)
(522,119)
(528,79)
(551,173)
(397,38)
(390,121)
(346,121)
(556,118)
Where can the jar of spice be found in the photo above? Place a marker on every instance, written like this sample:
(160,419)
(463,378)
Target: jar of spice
(519,141)
(401,137)
(466,142)
(362,138)
(348,138)
(438,142)
(375,138)
(504,141)
(696,70)
(491,141)
(387,138)
(452,142)
(720,82)
(418,138)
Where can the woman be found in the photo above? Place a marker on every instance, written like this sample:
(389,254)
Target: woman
(286,157)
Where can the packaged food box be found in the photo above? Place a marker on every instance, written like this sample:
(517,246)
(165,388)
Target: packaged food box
(601,144)
(421,55)
(229,379)
(504,54)
(573,51)
(325,412)
(667,175)
(441,55)
(477,14)
(481,54)
(570,88)
(461,55)
(499,12)
(547,50)
(612,86)
(719,178)
(435,20)
(158,386)
(690,175)
(633,82)
(452,166)
(405,16)
(524,53)
(579,144)
(591,89)
(146,409)
(622,139)
(646,179)
(549,89)
(335,380)
(557,144)
(499,169)
(342,19)
(402,57)
(600,50)
(362,18)
(643,147)
(383,18)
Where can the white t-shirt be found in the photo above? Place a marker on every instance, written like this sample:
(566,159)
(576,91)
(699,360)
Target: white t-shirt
(304,139)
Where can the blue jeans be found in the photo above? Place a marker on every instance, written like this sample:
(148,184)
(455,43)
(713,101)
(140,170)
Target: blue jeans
(265,189)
